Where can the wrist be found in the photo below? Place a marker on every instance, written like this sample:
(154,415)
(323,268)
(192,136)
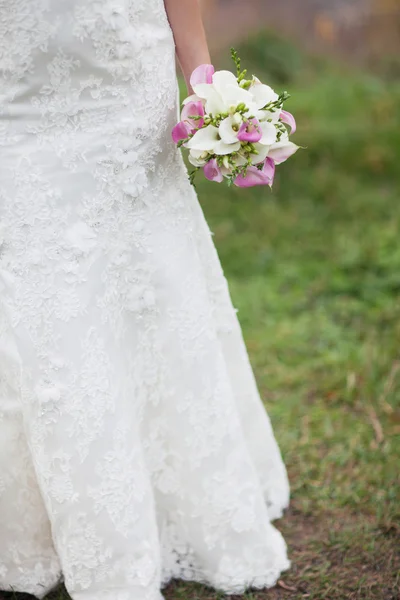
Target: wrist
(189,64)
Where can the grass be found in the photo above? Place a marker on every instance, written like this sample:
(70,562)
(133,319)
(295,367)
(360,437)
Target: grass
(314,269)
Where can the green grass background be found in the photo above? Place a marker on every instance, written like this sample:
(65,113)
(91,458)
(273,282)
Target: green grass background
(314,268)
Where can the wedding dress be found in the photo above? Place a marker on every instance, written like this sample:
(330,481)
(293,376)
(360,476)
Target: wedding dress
(134,447)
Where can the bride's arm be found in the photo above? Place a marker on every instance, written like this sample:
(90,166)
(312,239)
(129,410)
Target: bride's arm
(190,39)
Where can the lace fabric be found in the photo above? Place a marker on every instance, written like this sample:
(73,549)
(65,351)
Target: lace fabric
(134,444)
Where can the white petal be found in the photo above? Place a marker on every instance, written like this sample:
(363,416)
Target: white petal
(195,158)
(284,137)
(225,172)
(262,95)
(267,115)
(204,139)
(263,152)
(234,95)
(240,160)
(221,79)
(204,90)
(276,115)
(226,131)
(214,103)
(221,148)
(260,115)
(269,133)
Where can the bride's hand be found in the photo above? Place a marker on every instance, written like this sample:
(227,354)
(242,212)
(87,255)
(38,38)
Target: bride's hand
(190,38)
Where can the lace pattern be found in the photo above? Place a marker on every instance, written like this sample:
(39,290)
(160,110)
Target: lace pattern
(134,444)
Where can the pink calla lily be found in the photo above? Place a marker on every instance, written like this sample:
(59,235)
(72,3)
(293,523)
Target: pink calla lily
(288,118)
(250,131)
(193,109)
(269,170)
(212,171)
(255,176)
(203,74)
(281,151)
(180,132)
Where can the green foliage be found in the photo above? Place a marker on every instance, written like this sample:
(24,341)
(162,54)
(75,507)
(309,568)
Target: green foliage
(272,56)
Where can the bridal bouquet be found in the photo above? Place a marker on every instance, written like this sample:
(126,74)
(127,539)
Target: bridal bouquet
(234,128)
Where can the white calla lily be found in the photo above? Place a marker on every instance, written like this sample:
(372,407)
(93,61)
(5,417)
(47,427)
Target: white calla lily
(203,90)
(268,115)
(198,158)
(240,160)
(222,148)
(225,94)
(228,130)
(205,139)
(215,105)
(225,171)
(284,137)
(234,95)
(230,91)
(221,79)
(269,133)
(208,139)
(262,95)
(263,152)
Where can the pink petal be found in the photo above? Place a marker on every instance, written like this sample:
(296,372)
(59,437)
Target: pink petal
(282,153)
(253,177)
(212,171)
(180,132)
(193,109)
(203,74)
(288,118)
(269,170)
(250,131)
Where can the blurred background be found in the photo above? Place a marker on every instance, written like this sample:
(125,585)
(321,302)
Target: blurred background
(366,32)
(314,269)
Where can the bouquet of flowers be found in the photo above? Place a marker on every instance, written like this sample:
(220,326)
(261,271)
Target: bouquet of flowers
(234,128)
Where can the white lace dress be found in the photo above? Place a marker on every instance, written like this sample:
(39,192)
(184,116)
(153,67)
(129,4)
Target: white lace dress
(134,447)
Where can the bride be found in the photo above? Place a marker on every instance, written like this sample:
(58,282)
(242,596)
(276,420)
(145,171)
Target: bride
(134,447)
